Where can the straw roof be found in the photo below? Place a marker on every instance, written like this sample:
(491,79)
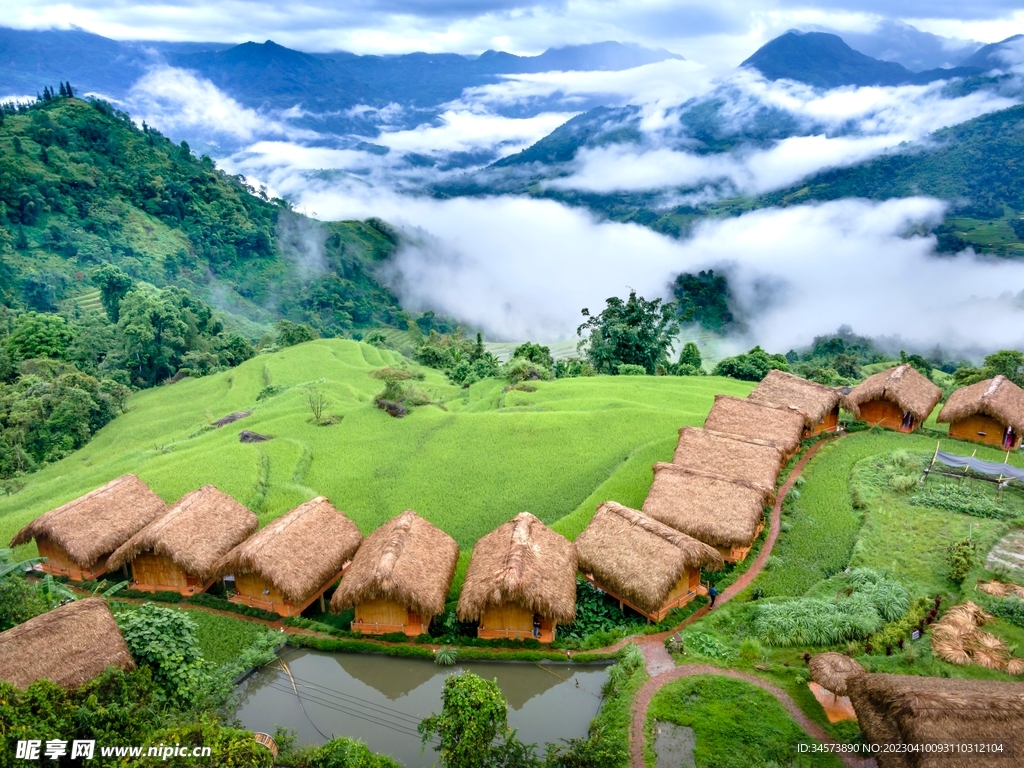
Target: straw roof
(524,563)
(832,671)
(93,525)
(815,401)
(195,533)
(69,645)
(406,560)
(998,398)
(901,385)
(714,509)
(756,461)
(781,425)
(638,558)
(895,709)
(299,552)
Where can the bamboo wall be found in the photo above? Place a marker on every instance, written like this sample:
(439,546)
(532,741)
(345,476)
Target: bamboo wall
(379,617)
(59,562)
(250,591)
(515,622)
(158,573)
(885,413)
(829,424)
(981,429)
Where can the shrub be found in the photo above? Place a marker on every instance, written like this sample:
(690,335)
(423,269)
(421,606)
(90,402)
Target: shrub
(960,557)
(707,645)
(627,369)
(394,637)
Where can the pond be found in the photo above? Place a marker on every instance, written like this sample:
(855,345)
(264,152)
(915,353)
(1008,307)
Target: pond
(381,699)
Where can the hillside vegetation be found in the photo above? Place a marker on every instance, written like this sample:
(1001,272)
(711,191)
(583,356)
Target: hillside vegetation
(467,464)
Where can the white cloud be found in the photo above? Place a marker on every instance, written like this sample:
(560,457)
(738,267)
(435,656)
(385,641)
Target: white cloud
(465,130)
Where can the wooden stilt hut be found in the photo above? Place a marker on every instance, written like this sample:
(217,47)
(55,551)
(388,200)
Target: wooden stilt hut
(728,514)
(399,577)
(293,560)
(179,551)
(521,571)
(903,714)
(642,563)
(818,404)
(780,425)
(756,461)
(989,412)
(77,538)
(899,398)
(69,646)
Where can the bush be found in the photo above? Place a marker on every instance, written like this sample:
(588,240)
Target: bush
(394,637)
(219,603)
(960,557)
(626,369)
(704,644)
(751,366)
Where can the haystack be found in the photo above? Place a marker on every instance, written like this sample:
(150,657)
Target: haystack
(77,538)
(733,456)
(990,412)
(645,564)
(780,425)
(179,551)
(818,404)
(911,710)
(720,511)
(899,398)
(399,577)
(520,569)
(292,561)
(832,671)
(69,645)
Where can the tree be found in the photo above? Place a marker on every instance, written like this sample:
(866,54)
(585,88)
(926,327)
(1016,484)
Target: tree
(704,298)
(918,363)
(535,353)
(634,332)
(67,85)
(114,285)
(317,401)
(751,366)
(40,335)
(1006,362)
(154,335)
(473,715)
(289,334)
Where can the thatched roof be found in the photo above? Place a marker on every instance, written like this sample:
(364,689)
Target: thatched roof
(524,563)
(901,385)
(714,509)
(407,560)
(94,525)
(998,398)
(637,557)
(832,671)
(195,533)
(781,425)
(906,709)
(734,456)
(69,645)
(299,552)
(815,401)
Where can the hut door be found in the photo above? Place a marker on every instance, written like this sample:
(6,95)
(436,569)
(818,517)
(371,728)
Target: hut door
(1008,439)
(908,421)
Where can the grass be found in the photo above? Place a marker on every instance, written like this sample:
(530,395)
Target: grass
(221,638)
(467,465)
(735,724)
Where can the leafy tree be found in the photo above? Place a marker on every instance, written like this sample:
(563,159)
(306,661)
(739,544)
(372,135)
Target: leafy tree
(917,362)
(704,298)
(114,285)
(473,715)
(751,366)
(40,335)
(535,353)
(289,334)
(154,335)
(1006,362)
(690,355)
(635,332)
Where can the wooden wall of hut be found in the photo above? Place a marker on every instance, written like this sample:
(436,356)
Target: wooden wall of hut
(885,413)
(59,562)
(254,591)
(158,573)
(739,554)
(515,622)
(829,424)
(379,617)
(982,429)
(687,588)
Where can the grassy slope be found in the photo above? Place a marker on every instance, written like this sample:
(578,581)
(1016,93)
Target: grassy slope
(467,468)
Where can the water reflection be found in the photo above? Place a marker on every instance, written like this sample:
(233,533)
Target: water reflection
(381,699)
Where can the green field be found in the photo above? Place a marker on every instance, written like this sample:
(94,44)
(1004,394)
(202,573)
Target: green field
(467,464)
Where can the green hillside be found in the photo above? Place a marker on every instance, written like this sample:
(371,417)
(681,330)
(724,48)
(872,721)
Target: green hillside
(466,465)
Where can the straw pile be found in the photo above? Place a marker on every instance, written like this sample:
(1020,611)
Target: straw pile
(523,563)
(638,558)
(815,401)
(832,671)
(902,385)
(407,560)
(780,425)
(70,645)
(1001,589)
(299,552)
(997,398)
(733,456)
(195,533)
(956,638)
(94,525)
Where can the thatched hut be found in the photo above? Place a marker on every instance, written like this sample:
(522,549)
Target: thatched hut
(780,425)
(77,538)
(989,412)
(733,456)
(294,560)
(818,404)
(726,513)
(642,563)
(521,571)
(833,670)
(178,552)
(899,398)
(911,710)
(69,645)
(399,578)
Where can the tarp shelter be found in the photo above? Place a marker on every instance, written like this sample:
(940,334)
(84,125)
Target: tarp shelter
(974,464)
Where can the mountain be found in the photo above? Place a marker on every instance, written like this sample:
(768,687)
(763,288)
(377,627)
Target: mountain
(904,44)
(997,55)
(825,61)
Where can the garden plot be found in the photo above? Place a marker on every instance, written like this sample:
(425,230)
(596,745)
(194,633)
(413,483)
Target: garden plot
(1007,553)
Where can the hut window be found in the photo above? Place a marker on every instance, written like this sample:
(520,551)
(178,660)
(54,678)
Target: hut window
(266,591)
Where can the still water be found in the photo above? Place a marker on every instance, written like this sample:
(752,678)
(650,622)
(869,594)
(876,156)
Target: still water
(381,699)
